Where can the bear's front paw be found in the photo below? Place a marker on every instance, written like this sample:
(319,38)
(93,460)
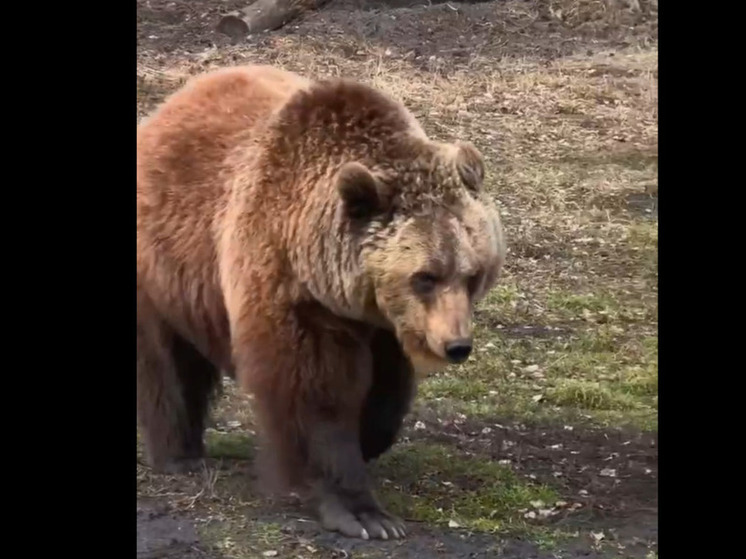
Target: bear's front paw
(367,523)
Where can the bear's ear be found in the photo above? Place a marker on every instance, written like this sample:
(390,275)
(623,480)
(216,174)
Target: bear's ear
(362,194)
(470,166)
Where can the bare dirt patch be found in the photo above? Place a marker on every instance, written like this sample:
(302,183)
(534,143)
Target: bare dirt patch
(161,535)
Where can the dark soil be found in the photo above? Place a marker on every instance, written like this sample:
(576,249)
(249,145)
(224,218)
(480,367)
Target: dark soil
(613,473)
(161,535)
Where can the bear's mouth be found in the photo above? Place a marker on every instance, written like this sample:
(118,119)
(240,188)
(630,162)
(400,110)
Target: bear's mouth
(423,359)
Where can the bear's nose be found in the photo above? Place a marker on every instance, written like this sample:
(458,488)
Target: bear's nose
(458,351)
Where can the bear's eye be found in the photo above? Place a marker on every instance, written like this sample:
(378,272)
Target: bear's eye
(473,282)
(424,282)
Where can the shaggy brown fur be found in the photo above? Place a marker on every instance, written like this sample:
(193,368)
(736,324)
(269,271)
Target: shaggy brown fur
(309,238)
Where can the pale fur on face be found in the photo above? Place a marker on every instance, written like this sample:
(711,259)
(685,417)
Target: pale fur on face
(461,250)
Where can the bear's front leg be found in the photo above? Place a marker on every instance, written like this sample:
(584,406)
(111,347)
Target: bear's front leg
(311,373)
(389,398)
(345,501)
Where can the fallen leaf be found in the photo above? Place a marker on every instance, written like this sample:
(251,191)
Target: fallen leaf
(270,553)
(608,472)
(453,524)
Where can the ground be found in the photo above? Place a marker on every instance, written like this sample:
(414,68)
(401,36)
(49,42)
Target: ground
(544,444)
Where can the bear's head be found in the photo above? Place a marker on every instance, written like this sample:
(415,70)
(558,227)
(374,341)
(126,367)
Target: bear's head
(431,245)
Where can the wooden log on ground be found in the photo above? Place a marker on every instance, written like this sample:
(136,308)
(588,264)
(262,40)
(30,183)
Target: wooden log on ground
(264,15)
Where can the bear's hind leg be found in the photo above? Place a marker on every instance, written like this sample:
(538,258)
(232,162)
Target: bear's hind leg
(173,387)
(199,380)
(389,398)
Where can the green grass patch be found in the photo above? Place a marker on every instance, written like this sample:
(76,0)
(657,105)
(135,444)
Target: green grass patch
(589,395)
(237,446)
(606,371)
(453,387)
(577,304)
(437,485)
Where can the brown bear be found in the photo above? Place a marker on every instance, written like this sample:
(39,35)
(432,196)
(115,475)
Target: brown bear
(309,238)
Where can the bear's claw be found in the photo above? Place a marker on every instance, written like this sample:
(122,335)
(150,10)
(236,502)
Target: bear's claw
(365,525)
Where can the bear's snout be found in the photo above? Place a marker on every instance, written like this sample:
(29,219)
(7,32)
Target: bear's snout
(458,351)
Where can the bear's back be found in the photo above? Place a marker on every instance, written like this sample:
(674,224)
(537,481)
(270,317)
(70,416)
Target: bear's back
(181,152)
(182,148)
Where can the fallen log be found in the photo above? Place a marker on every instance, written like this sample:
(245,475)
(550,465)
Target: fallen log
(264,15)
